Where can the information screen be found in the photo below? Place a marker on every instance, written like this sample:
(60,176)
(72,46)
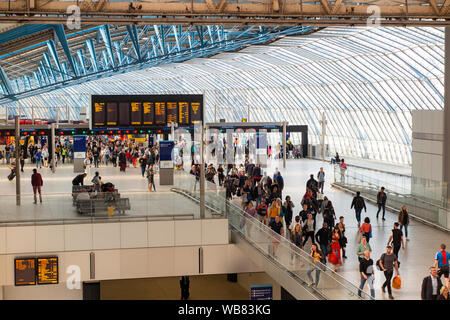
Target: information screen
(25,272)
(99,114)
(172,112)
(111,114)
(183,113)
(47,270)
(160,113)
(149,113)
(145,110)
(136,114)
(124,113)
(196,112)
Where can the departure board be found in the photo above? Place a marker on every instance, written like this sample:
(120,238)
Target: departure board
(160,112)
(172,112)
(25,272)
(145,110)
(47,270)
(149,113)
(136,114)
(124,113)
(183,113)
(99,114)
(111,114)
(196,112)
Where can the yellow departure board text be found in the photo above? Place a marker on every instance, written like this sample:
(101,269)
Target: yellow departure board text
(25,272)
(47,270)
(183,113)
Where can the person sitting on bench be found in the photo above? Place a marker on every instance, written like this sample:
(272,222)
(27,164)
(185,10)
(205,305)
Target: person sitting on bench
(79,179)
(83,195)
(336,159)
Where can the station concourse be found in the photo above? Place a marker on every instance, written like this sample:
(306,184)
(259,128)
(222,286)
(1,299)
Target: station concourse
(141,109)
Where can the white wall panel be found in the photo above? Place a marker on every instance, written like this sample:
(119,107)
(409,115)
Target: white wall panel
(186,261)
(107,264)
(106,235)
(215,261)
(47,292)
(2,240)
(188,232)
(20,239)
(133,234)
(214,231)
(134,263)
(78,236)
(161,233)
(50,238)
(161,261)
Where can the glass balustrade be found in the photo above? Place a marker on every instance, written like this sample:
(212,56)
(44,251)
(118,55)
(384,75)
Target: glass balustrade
(299,265)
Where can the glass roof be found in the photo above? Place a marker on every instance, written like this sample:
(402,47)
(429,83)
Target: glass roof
(366,80)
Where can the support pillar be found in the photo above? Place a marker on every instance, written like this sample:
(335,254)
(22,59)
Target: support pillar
(323,122)
(17,150)
(32,114)
(52,141)
(202,165)
(202,172)
(284,144)
(446,158)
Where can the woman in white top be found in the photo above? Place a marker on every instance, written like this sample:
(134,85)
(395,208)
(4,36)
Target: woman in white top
(45,156)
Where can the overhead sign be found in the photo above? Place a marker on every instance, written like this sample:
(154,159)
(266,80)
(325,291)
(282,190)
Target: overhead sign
(264,292)
(145,110)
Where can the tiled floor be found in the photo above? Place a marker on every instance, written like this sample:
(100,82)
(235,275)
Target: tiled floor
(57,194)
(416,258)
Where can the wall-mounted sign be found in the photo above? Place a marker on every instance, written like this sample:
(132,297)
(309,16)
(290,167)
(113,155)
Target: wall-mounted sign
(264,292)
(25,272)
(32,271)
(47,270)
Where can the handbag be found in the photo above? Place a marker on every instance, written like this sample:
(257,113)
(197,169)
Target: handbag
(397,283)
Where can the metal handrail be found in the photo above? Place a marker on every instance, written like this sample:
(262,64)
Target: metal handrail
(338,278)
(390,190)
(93,219)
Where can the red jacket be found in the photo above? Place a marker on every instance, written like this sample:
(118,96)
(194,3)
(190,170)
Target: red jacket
(36,180)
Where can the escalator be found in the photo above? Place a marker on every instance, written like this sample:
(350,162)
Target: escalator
(276,255)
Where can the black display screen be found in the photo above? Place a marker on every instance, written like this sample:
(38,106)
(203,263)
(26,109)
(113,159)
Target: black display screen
(145,110)
(124,113)
(25,272)
(111,114)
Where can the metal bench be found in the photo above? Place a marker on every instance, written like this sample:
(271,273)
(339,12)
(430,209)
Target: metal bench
(95,206)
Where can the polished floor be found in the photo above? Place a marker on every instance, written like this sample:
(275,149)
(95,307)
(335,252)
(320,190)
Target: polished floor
(57,194)
(415,259)
(419,252)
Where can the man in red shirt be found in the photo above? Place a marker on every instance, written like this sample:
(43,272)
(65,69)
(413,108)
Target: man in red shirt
(36,182)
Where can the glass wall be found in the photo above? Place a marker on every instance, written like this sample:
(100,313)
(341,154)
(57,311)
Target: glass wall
(366,80)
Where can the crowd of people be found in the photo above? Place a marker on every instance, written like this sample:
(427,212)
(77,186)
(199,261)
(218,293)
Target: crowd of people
(261,197)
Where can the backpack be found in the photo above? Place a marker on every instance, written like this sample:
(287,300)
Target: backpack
(382,258)
(378,262)
(359,202)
